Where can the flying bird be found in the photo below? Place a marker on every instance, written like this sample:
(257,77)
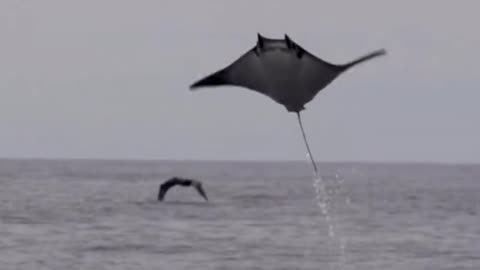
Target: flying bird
(284,71)
(176,181)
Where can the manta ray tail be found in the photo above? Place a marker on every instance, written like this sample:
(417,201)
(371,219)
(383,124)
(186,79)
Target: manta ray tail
(365,58)
(215,79)
(306,143)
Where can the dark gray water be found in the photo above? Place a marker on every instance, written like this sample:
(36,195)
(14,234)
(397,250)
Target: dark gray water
(104,215)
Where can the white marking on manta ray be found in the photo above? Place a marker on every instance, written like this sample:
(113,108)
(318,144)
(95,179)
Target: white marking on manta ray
(284,71)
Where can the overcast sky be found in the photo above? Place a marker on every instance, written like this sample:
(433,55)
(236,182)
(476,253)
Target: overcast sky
(109,79)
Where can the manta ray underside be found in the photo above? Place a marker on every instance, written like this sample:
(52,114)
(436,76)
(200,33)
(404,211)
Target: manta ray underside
(284,71)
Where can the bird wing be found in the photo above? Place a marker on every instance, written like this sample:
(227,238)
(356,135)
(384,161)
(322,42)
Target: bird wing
(201,191)
(165,187)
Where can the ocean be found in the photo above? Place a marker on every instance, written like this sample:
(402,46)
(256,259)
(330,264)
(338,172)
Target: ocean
(86,214)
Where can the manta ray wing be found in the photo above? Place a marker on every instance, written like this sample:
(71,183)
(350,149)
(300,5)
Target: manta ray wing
(246,72)
(270,68)
(314,75)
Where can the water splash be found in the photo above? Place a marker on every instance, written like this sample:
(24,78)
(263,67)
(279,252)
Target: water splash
(323,202)
(323,198)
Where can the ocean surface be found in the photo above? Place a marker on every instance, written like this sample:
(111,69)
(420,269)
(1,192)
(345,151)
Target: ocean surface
(104,215)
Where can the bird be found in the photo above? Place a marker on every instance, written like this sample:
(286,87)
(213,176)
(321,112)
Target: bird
(174,181)
(284,71)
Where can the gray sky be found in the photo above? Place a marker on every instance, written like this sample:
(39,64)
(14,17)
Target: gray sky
(109,79)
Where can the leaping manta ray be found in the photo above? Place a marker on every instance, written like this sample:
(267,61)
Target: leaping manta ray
(284,71)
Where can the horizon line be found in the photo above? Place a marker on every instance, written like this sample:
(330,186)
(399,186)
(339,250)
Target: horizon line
(392,162)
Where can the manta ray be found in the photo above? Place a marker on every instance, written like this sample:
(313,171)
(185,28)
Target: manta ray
(283,71)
